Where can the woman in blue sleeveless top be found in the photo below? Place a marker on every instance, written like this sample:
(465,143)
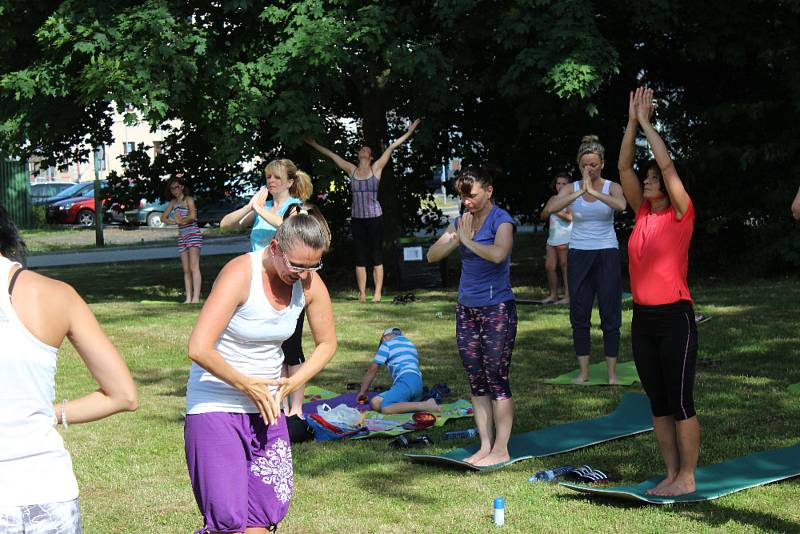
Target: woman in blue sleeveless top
(486,312)
(366,217)
(593,256)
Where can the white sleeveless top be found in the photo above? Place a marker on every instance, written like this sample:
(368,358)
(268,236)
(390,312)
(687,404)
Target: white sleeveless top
(251,344)
(559,230)
(35,468)
(592,222)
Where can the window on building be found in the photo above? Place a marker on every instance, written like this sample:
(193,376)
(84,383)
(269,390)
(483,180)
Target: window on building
(128,147)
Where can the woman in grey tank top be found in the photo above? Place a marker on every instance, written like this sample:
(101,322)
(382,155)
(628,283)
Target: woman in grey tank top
(593,257)
(366,216)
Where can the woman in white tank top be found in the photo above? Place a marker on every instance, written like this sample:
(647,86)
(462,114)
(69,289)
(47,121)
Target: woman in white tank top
(237,445)
(559,231)
(593,256)
(38,490)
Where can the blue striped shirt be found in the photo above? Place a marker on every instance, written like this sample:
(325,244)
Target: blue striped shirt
(399,355)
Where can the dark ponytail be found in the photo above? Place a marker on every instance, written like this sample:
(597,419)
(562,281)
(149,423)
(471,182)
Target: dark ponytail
(11,244)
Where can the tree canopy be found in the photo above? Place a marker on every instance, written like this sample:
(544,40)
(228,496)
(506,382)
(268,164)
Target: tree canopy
(512,83)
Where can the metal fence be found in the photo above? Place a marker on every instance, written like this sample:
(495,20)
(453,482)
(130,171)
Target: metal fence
(15,191)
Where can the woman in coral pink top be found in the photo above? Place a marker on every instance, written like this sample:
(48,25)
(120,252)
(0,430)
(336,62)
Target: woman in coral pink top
(663,331)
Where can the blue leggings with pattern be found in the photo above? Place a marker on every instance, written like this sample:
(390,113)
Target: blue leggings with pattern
(485,337)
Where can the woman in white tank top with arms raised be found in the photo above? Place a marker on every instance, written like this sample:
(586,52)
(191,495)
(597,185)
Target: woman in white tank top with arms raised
(237,445)
(38,490)
(593,256)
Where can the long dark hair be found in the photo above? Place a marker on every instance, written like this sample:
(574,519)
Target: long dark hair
(11,244)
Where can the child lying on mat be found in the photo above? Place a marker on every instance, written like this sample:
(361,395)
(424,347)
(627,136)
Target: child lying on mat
(399,355)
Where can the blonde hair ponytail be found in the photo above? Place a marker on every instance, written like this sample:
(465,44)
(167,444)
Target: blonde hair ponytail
(301,187)
(590,144)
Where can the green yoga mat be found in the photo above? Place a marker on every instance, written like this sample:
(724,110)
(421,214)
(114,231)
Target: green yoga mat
(715,480)
(795,388)
(632,416)
(598,375)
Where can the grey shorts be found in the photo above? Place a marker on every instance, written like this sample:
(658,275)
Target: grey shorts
(51,518)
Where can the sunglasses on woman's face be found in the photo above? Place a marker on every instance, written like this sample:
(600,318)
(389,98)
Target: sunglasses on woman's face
(299,268)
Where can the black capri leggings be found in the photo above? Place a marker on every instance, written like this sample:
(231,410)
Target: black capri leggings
(368,239)
(293,347)
(664,342)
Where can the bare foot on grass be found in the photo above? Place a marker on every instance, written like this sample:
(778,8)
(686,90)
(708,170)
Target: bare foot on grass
(563,301)
(580,379)
(362,298)
(613,380)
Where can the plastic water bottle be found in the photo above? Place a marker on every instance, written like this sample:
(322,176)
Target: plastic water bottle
(461,434)
(543,476)
(550,474)
(499,515)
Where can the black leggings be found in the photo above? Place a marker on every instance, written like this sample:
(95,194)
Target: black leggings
(664,342)
(293,347)
(368,240)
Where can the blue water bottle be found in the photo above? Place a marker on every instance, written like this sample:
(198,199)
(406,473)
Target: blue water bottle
(542,476)
(499,515)
(469,433)
(550,474)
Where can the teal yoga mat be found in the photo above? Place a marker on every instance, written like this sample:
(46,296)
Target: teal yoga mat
(632,416)
(598,375)
(715,480)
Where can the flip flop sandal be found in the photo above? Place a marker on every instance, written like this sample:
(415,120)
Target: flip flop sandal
(400,442)
(420,421)
(700,318)
(422,441)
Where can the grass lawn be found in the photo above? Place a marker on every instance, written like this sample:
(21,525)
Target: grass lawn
(131,467)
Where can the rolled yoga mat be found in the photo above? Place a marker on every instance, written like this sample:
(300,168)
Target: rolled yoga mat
(598,375)
(715,480)
(631,417)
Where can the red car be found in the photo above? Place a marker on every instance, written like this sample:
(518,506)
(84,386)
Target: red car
(78,210)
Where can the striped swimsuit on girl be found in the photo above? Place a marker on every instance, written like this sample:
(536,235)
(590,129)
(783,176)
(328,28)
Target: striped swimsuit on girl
(189,235)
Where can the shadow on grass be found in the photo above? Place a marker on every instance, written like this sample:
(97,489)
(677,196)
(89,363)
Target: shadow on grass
(159,377)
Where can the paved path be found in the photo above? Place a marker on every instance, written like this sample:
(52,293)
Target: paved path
(220,245)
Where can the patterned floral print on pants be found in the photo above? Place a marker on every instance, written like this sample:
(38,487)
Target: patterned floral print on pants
(485,337)
(51,518)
